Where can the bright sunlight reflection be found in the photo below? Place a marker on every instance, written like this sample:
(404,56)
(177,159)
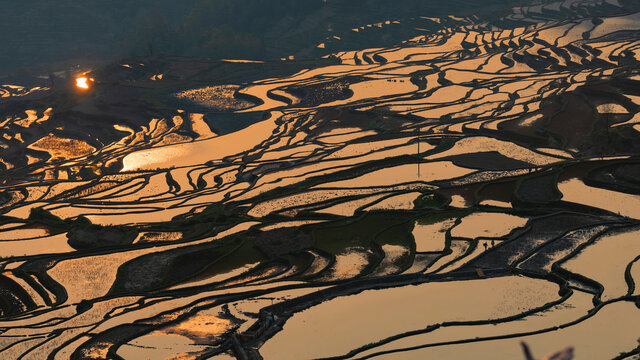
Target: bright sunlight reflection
(82,83)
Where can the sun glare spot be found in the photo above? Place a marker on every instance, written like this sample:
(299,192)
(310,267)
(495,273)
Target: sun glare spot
(82,83)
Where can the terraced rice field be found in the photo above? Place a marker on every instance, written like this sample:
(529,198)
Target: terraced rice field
(447,198)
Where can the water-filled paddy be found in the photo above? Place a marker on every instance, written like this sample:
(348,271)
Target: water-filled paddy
(449,196)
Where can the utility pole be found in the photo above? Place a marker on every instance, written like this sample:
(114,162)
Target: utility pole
(418,154)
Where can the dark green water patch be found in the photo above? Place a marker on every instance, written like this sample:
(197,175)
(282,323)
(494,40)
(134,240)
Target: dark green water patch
(223,123)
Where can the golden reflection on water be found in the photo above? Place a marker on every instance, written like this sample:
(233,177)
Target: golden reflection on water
(271,157)
(375,314)
(83,82)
